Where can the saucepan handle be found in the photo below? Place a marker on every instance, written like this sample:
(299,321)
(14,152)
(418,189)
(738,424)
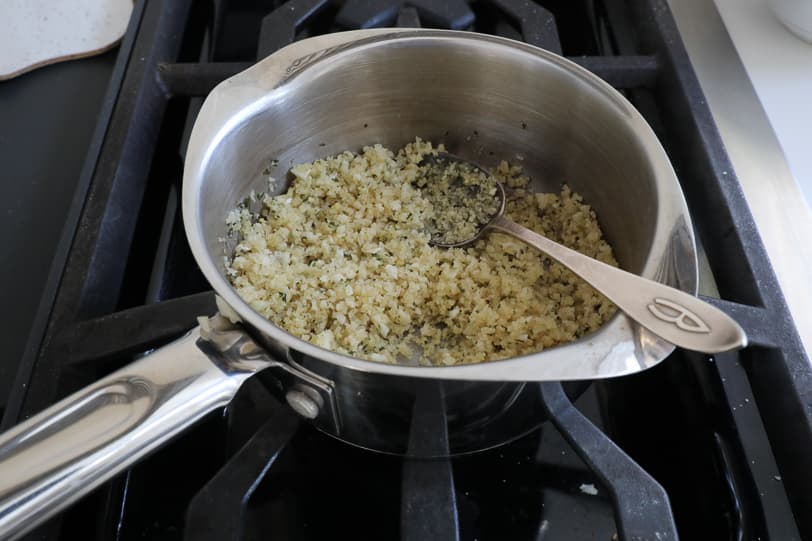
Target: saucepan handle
(64,452)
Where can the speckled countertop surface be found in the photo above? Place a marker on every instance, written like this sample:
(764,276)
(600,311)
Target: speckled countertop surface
(40,32)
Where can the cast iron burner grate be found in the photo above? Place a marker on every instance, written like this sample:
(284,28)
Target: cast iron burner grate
(428,496)
(696,430)
(454,14)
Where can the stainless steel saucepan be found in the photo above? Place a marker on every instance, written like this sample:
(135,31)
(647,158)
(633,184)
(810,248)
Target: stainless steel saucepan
(487,99)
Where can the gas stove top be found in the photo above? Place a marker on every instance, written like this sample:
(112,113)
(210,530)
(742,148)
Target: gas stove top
(698,447)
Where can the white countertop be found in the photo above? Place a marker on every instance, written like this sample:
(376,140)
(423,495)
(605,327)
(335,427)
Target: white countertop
(757,78)
(780,68)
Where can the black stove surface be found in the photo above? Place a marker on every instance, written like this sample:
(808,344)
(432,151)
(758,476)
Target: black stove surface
(320,488)
(710,445)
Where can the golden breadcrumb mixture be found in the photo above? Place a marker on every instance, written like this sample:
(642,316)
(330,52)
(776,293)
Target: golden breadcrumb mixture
(342,260)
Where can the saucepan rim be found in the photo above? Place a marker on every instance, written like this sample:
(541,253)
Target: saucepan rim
(240,97)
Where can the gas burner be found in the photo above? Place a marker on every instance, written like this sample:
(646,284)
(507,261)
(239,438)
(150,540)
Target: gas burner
(452,14)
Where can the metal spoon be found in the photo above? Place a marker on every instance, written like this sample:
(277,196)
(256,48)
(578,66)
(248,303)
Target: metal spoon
(673,315)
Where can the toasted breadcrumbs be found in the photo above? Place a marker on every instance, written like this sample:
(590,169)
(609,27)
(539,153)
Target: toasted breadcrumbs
(463,198)
(342,260)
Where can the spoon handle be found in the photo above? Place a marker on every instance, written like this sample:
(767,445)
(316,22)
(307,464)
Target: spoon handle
(673,315)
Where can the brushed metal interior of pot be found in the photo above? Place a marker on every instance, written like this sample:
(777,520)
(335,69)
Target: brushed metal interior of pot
(485,103)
